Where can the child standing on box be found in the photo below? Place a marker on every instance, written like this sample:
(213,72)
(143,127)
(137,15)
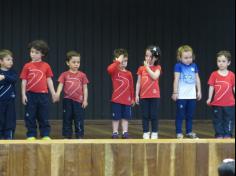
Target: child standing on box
(36,79)
(148,91)
(186,89)
(123,93)
(8,78)
(74,83)
(222,86)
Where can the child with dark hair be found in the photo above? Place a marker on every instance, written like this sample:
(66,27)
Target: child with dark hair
(8,78)
(148,91)
(123,93)
(36,80)
(221,96)
(74,83)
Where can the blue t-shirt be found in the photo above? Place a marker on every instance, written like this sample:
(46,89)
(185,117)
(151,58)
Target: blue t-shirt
(187,80)
(7,86)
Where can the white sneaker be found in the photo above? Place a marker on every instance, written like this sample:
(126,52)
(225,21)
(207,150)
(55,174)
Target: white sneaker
(146,135)
(154,136)
(179,136)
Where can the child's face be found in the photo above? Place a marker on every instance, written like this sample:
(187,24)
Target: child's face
(36,55)
(222,62)
(187,58)
(74,63)
(149,58)
(124,63)
(6,62)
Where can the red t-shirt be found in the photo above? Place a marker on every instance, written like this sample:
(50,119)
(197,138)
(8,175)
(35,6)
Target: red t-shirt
(36,74)
(149,88)
(223,89)
(123,85)
(73,85)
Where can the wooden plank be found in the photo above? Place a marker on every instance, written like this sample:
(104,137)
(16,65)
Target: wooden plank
(4,158)
(114,157)
(57,159)
(16,158)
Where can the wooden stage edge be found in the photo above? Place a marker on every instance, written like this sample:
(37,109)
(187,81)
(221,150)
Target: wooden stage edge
(107,157)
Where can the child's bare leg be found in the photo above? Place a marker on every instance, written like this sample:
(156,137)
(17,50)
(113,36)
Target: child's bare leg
(125,124)
(115,126)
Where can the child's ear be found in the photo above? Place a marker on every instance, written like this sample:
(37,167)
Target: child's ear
(229,63)
(67,63)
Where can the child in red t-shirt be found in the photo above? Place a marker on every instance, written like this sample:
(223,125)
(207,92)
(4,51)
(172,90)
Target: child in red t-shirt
(222,86)
(148,91)
(74,83)
(123,92)
(36,79)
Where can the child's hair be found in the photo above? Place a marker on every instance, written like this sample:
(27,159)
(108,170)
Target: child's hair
(71,54)
(120,51)
(156,52)
(225,53)
(39,45)
(184,48)
(227,169)
(4,53)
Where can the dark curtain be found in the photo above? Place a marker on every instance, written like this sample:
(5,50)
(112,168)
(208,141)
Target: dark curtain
(96,27)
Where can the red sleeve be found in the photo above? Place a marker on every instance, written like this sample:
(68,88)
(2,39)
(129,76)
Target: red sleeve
(49,72)
(140,70)
(85,79)
(113,67)
(61,78)
(24,72)
(211,80)
(132,87)
(159,67)
(233,79)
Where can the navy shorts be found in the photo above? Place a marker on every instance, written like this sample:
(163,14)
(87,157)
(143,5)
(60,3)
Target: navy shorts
(120,111)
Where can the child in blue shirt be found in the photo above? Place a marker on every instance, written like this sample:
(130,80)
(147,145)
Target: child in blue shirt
(186,90)
(8,78)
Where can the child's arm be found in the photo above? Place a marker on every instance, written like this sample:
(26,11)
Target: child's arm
(11,78)
(51,88)
(137,89)
(154,75)
(85,91)
(23,92)
(114,66)
(210,94)
(59,90)
(175,93)
(132,89)
(198,83)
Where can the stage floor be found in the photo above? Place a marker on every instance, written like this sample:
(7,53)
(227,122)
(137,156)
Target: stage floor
(101,129)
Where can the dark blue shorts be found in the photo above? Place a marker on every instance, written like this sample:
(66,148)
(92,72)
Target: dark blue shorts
(120,111)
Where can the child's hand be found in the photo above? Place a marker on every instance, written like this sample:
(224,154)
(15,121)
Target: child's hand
(133,103)
(199,96)
(146,64)
(137,100)
(84,104)
(175,96)
(208,101)
(2,77)
(55,98)
(120,58)
(24,99)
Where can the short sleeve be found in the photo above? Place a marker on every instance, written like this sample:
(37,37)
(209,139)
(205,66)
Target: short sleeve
(49,72)
(61,78)
(177,68)
(211,80)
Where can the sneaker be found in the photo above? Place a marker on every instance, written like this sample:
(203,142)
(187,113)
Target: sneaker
(146,135)
(115,135)
(125,135)
(179,136)
(46,138)
(227,137)
(154,135)
(192,135)
(31,138)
